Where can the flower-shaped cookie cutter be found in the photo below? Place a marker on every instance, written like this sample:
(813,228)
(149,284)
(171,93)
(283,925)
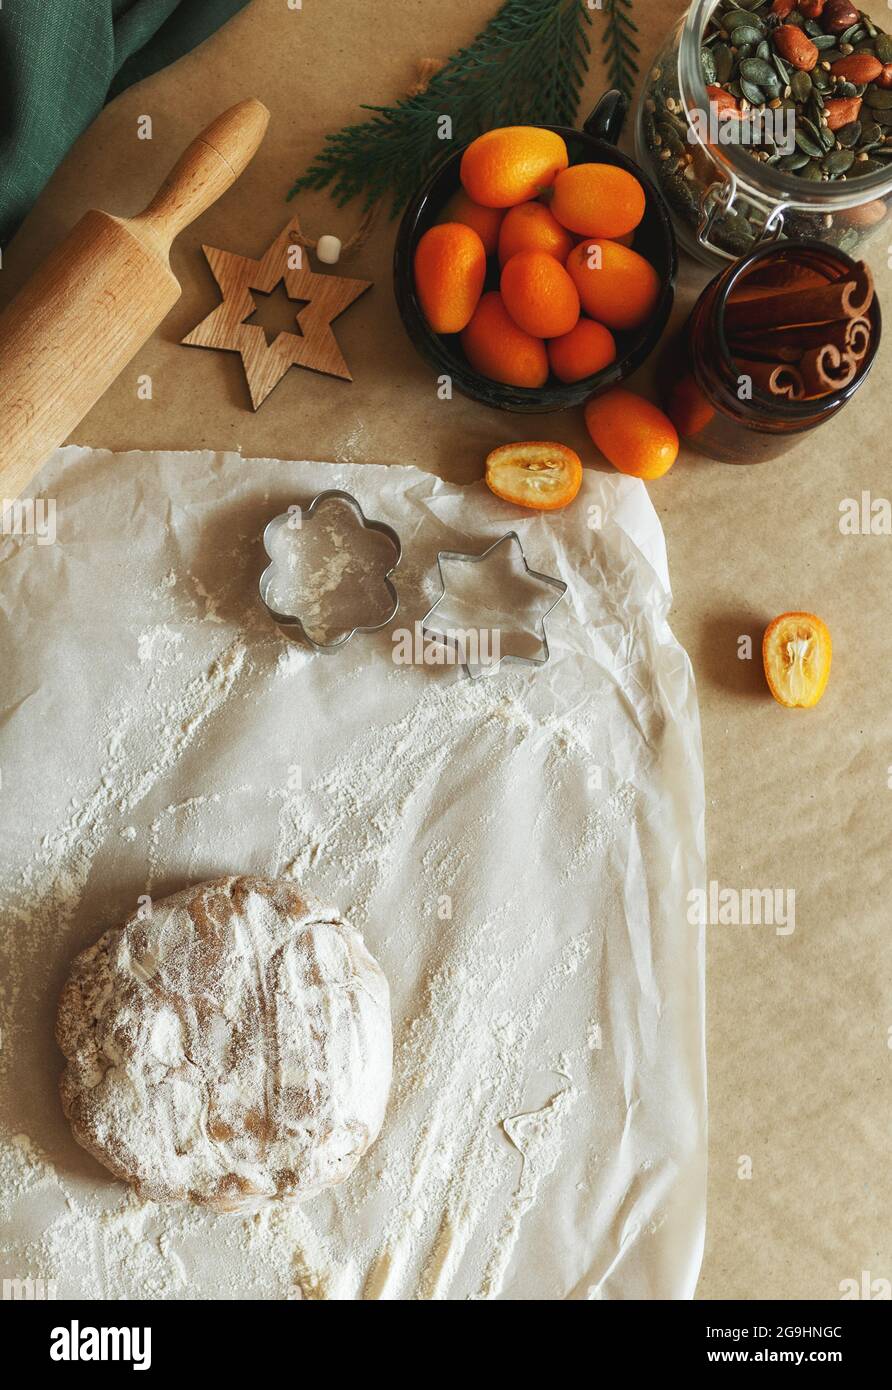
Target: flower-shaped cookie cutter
(457,555)
(291,623)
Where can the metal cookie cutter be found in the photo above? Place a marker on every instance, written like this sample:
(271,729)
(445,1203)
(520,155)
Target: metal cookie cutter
(290,623)
(475,671)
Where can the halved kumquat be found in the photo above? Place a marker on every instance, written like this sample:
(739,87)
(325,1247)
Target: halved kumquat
(538,474)
(796,655)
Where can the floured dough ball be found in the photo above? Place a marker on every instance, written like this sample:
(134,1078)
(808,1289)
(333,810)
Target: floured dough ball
(233,1048)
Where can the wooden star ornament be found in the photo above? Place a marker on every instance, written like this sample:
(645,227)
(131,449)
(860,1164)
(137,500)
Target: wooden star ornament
(323,298)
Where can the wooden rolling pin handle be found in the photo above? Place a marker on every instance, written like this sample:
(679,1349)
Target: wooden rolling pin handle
(99,295)
(210,165)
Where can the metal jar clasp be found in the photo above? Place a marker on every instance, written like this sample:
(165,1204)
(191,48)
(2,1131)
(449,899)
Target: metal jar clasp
(719,200)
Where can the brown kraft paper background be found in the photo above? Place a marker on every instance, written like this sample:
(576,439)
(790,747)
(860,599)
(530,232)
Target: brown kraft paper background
(798,1025)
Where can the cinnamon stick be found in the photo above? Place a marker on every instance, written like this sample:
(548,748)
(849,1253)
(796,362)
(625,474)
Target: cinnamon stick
(768,308)
(826,369)
(787,343)
(781,275)
(777,378)
(860,332)
(797,333)
(794,308)
(766,346)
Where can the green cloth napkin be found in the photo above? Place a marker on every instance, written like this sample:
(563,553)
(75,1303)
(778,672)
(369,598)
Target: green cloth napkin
(62,60)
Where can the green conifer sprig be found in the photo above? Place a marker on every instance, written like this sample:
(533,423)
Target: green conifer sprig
(527,66)
(619,45)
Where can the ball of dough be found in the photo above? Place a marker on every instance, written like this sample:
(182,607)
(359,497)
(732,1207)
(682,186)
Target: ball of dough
(231,1049)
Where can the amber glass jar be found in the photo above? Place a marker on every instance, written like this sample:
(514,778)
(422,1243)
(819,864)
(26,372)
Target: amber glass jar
(703,390)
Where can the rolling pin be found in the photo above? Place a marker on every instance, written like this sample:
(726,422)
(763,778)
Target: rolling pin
(94,301)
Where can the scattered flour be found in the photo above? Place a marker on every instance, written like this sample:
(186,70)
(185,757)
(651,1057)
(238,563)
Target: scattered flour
(537,1137)
(431,811)
(442,1199)
(159,644)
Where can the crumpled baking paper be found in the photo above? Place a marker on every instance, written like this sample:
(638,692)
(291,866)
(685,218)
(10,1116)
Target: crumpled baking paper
(518,851)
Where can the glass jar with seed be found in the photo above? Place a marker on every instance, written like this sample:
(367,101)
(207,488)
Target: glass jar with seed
(759,122)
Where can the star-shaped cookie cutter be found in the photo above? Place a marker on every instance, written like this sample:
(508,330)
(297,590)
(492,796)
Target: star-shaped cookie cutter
(290,623)
(456,555)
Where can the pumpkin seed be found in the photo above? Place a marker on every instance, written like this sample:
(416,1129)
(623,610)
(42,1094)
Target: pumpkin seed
(735,18)
(670,137)
(883,48)
(754,95)
(849,135)
(813,130)
(745,35)
(738,54)
(838,162)
(723,59)
(792,162)
(781,68)
(801,85)
(811,147)
(758,71)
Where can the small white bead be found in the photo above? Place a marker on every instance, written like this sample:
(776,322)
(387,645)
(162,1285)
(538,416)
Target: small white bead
(328,250)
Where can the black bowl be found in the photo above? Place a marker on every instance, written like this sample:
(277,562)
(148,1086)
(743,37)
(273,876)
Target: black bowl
(654,239)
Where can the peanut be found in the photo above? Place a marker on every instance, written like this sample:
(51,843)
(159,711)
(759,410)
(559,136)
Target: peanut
(857,68)
(841,110)
(795,47)
(839,15)
(724,102)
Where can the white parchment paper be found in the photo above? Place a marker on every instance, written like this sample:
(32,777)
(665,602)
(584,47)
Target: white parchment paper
(518,852)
